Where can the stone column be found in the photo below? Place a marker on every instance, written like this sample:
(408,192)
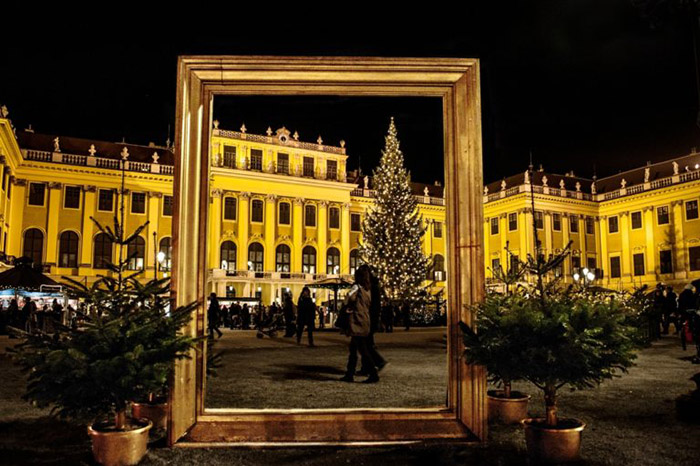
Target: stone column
(487,248)
(322,236)
(270,222)
(548,232)
(85,262)
(650,248)
(681,267)
(627,272)
(214,229)
(582,240)
(297,233)
(153,217)
(18,197)
(604,261)
(524,226)
(426,241)
(243,219)
(565,238)
(53,212)
(345,238)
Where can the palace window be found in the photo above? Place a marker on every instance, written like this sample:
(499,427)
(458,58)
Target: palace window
(694,258)
(691,210)
(256,159)
(285,213)
(494,225)
(36,193)
(591,263)
(256,210)
(310,216)
(355,222)
(105,202)
(495,266)
(308,260)
(228,255)
(512,221)
(34,245)
(662,215)
(282,258)
(138,203)
(573,223)
(439,268)
(437,229)
(308,166)
(283,163)
(556,222)
(229,208)
(539,220)
(638,261)
(665,262)
(68,249)
(575,263)
(102,251)
(71,197)
(4,177)
(255,257)
(514,262)
(229,156)
(333,261)
(636,218)
(136,252)
(331,169)
(615,267)
(354,261)
(165,247)
(167,206)
(334,217)
(590,226)
(613,226)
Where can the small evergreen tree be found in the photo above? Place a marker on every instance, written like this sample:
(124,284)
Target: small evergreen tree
(123,351)
(392,230)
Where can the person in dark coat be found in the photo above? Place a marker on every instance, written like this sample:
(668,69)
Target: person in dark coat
(657,311)
(13,313)
(213,315)
(686,303)
(358,303)
(306,313)
(375,310)
(670,309)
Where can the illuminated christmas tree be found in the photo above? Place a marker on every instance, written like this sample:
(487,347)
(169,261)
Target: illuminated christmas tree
(392,230)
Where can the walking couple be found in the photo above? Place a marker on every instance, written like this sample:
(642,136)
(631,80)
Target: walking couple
(363,307)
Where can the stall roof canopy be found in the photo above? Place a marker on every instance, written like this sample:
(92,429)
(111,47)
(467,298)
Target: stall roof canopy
(23,276)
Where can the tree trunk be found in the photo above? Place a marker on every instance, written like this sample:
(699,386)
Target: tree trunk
(550,401)
(506,389)
(120,419)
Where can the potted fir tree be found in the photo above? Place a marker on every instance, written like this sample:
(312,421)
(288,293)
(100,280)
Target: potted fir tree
(124,351)
(497,346)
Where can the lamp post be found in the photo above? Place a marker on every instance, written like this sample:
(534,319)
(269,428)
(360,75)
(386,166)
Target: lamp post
(585,278)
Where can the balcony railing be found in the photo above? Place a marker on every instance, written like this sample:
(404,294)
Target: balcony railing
(99,162)
(274,140)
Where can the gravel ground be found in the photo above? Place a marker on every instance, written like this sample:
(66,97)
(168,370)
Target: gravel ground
(631,421)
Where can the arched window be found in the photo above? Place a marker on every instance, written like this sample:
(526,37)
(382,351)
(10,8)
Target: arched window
(166,249)
(102,251)
(68,249)
(439,268)
(333,261)
(282,258)
(354,261)
(255,257)
(228,255)
(308,260)
(34,245)
(136,252)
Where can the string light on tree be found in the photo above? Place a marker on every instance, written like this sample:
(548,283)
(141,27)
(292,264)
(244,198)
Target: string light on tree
(392,229)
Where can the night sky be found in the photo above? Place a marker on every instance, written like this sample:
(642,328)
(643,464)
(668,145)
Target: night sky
(580,83)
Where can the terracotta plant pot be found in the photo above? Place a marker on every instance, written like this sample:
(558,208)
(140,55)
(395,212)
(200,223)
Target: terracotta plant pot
(155,412)
(507,410)
(120,448)
(561,444)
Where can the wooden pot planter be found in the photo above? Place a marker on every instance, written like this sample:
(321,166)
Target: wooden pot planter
(551,445)
(111,447)
(507,410)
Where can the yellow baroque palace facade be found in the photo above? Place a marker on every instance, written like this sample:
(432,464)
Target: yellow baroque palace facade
(283,213)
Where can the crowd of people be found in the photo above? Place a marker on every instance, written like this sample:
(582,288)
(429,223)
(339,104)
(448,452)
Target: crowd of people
(36,315)
(683,311)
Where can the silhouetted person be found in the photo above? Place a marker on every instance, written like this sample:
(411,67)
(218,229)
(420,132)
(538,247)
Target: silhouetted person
(670,309)
(357,304)
(686,304)
(213,315)
(375,310)
(306,313)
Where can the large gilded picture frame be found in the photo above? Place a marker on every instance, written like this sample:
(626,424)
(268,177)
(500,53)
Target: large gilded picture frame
(456,82)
